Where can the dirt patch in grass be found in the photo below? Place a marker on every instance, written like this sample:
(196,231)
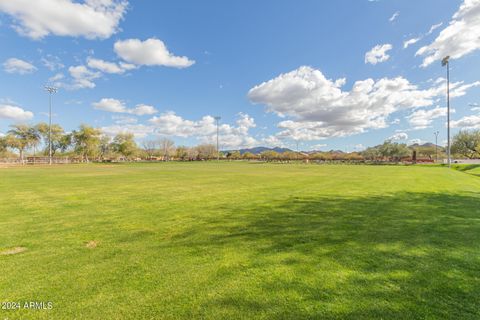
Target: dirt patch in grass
(11,251)
(92,244)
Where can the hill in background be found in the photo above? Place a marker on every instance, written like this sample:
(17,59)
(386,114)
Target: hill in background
(258,150)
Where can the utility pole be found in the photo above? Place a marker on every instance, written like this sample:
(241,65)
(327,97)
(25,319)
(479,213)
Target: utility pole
(445,62)
(50,90)
(217,118)
(436,145)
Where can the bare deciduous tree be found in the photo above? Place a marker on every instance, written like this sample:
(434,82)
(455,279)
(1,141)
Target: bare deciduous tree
(206,151)
(150,147)
(167,147)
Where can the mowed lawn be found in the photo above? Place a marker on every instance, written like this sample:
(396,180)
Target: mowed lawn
(241,241)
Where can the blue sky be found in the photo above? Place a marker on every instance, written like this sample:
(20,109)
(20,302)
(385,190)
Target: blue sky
(277,72)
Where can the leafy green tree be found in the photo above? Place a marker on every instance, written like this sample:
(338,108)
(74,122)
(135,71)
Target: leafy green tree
(58,136)
(321,156)
(16,143)
(181,153)
(124,143)
(34,138)
(317,156)
(394,150)
(65,142)
(291,155)
(249,156)
(287,155)
(3,145)
(105,147)
(372,153)
(401,151)
(354,156)
(234,155)
(270,155)
(427,151)
(467,144)
(86,140)
(20,138)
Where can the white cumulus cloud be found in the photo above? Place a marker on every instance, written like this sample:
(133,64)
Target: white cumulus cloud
(409,42)
(378,54)
(317,146)
(138,130)
(416,141)
(82,77)
(109,67)
(204,129)
(399,136)
(118,106)
(151,52)
(15,113)
(53,63)
(317,107)
(110,105)
(121,119)
(412,41)
(459,38)
(170,124)
(434,27)
(423,118)
(14,65)
(90,18)
(468,122)
(143,109)
(56,78)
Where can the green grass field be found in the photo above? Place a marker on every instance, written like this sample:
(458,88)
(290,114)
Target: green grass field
(241,241)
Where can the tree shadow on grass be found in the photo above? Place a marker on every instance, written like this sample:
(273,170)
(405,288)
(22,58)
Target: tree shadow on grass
(467,167)
(404,256)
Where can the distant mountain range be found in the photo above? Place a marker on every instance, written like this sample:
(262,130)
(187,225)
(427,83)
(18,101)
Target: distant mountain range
(317,151)
(428,144)
(258,150)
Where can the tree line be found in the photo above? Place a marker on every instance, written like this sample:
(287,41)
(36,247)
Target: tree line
(88,143)
(465,144)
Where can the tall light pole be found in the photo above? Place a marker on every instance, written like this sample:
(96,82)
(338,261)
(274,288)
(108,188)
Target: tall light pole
(436,145)
(445,62)
(50,90)
(217,118)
